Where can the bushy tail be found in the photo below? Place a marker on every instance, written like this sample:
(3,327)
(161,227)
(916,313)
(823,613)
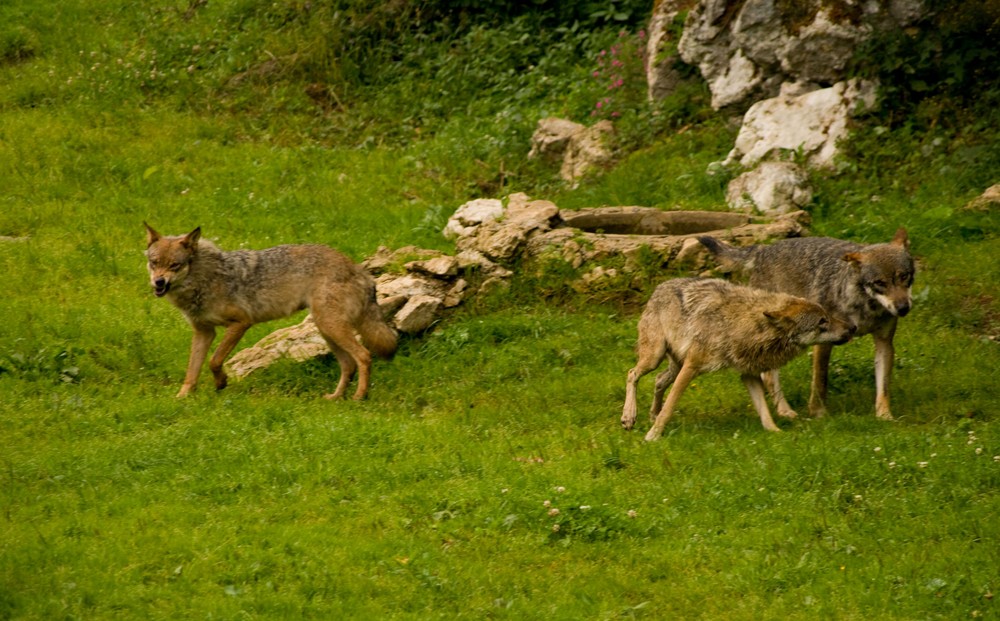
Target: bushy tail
(729,258)
(378,336)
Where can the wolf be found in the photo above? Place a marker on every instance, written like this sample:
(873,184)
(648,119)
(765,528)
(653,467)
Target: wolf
(704,324)
(867,285)
(240,288)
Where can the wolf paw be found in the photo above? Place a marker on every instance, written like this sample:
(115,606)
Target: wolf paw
(787,412)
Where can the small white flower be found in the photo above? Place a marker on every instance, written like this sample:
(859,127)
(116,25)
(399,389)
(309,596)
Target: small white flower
(892,464)
(922,464)
(560,489)
(631,513)
(996,458)
(546,503)
(878,449)
(553,512)
(858,498)
(555,528)
(504,490)
(979,451)
(584,507)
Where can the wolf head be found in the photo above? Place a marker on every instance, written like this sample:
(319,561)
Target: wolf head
(169,258)
(807,323)
(885,273)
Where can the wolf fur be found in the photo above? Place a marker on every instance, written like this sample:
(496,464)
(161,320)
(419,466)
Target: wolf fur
(866,285)
(704,325)
(237,289)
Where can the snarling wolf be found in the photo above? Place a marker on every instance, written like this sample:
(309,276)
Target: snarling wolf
(702,325)
(866,285)
(237,289)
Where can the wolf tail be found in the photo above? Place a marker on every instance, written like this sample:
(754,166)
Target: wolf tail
(378,336)
(730,258)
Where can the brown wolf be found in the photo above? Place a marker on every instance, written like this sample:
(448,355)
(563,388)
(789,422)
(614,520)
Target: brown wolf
(240,288)
(868,286)
(704,325)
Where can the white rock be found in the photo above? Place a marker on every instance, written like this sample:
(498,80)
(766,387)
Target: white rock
(409,285)
(469,216)
(439,267)
(552,137)
(812,123)
(417,314)
(772,188)
(587,150)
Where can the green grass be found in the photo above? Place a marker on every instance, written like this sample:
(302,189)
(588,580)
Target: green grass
(434,498)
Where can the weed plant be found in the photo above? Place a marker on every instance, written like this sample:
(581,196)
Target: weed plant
(487,475)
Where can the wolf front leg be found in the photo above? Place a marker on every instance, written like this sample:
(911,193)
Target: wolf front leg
(756,389)
(200,343)
(772,381)
(650,355)
(821,368)
(884,356)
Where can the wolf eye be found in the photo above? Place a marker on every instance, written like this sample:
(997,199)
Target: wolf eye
(823,322)
(176,266)
(879,284)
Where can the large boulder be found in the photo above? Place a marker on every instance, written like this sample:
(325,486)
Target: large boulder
(747,50)
(809,124)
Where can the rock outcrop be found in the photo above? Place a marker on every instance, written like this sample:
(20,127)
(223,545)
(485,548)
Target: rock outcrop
(747,50)
(662,73)
(415,286)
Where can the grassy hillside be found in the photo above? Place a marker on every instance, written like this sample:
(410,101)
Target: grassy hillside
(487,475)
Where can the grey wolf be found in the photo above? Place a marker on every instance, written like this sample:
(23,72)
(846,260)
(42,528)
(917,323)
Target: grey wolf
(240,288)
(703,325)
(866,285)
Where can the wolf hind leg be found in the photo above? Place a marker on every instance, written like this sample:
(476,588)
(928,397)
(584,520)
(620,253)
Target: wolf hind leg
(348,367)
(338,331)
(663,380)
(650,355)
(688,372)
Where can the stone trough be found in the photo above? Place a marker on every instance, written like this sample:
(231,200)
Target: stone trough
(415,286)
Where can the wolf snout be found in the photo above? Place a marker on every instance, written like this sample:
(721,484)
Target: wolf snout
(902,308)
(845,330)
(161,286)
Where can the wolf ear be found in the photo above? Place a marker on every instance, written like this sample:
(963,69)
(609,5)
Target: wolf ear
(151,235)
(854,258)
(776,316)
(192,238)
(901,239)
